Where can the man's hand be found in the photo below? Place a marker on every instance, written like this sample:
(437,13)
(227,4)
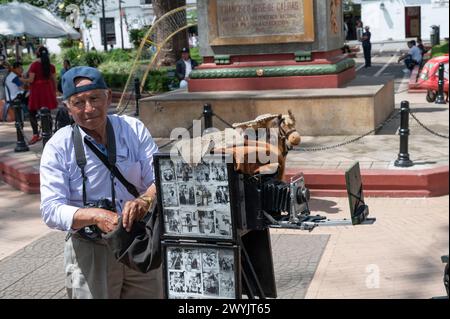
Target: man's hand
(105,220)
(134,210)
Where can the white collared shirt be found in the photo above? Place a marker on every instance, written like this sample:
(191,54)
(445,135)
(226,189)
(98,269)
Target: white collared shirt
(61,181)
(188,68)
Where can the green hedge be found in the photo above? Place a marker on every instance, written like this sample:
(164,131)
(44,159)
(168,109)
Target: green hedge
(439,50)
(74,55)
(116,75)
(116,66)
(195,55)
(119,55)
(78,57)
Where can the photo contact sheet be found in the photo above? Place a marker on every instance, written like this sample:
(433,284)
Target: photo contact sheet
(200,272)
(195,199)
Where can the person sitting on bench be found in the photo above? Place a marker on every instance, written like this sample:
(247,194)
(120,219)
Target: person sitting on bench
(13,86)
(412,58)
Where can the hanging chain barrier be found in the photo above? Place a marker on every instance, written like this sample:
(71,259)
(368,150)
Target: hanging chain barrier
(329,147)
(317,148)
(222,120)
(189,128)
(427,128)
(207,114)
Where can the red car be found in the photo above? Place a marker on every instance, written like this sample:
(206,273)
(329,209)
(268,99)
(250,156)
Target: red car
(429,77)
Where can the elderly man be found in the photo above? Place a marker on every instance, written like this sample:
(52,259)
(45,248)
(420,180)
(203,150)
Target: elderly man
(72,188)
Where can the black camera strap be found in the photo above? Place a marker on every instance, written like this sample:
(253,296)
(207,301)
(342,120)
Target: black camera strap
(92,232)
(109,161)
(81,156)
(114,170)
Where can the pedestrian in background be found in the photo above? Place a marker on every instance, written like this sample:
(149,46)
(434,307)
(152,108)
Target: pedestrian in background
(367,46)
(66,67)
(184,67)
(421,47)
(42,80)
(359,30)
(412,58)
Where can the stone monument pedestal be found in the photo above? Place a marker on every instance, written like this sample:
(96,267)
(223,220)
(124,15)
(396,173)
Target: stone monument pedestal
(271,45)
(274,72)
(355,109)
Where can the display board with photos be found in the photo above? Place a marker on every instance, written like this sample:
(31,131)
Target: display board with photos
(196,271)
(196,201)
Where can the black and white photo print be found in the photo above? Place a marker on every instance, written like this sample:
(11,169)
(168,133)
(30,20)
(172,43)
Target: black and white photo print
(186,193)
(184,172)
(203,195)
(202,173)
(193,282)
(175,259)
(167,171)
(192,261)
(172,222)
(206,224)
(176,282)
(221,195)
(219,172)
(211,283)
(189,222)
(223,224)
(170,195)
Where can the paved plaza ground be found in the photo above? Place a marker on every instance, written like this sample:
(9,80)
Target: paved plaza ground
(397,257)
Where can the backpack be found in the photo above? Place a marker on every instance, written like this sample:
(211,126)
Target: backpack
(62,118)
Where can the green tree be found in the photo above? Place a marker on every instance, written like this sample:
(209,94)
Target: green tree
(86,6)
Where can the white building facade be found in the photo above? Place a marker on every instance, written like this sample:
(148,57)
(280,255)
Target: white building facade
(402,19)
(135,15)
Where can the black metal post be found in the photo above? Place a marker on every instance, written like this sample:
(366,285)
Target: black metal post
(21,145)
(46,123)
(121,24)
(137,94)
(207,115)
(403,157)
(103,27)
(440,98)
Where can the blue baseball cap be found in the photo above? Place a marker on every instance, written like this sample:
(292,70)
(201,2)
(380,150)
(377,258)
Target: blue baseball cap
(68,81)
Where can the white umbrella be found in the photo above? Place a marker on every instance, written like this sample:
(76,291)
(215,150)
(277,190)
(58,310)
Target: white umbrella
(18,19)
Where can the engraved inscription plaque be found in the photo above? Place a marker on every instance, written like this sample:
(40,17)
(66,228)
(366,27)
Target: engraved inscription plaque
(237,22)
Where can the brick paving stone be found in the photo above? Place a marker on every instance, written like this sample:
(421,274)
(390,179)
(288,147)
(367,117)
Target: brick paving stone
(295,261)
(36,271)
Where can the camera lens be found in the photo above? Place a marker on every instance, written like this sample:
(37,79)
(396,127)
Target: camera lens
(299,196)
(302,195)
(306,194)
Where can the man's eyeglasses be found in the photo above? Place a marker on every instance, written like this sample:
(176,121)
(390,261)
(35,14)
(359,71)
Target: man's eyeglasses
(94,100)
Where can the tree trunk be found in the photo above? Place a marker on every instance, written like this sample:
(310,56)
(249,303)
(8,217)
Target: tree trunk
(171,52)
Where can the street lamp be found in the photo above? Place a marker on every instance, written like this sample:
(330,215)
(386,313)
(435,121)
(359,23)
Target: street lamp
(121,24)
(105,44)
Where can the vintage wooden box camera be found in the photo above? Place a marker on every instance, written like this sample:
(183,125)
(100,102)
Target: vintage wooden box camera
(214,217)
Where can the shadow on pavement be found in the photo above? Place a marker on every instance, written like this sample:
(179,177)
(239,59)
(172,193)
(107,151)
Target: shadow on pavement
(323,205)
(428,109)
